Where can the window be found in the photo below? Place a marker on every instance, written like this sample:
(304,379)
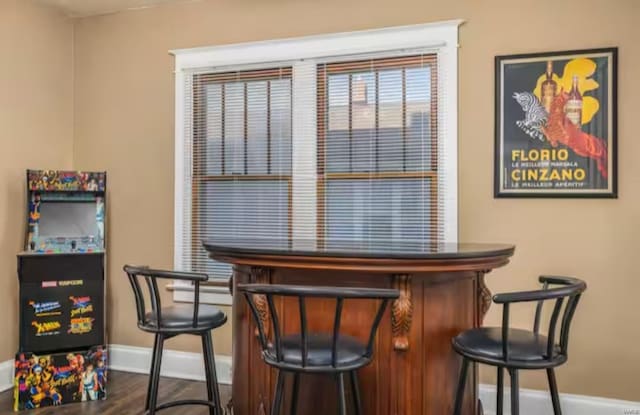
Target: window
(238,181)
(348,136)
(241,177)
(377,150)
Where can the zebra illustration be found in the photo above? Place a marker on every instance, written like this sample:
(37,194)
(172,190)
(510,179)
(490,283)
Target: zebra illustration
(535,116)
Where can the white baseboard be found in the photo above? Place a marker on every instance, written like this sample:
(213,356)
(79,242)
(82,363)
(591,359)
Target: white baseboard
(535,402)
(175,364)
(185,365)
(6,375)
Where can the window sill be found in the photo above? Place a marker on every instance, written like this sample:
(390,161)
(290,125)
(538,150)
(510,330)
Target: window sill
(208,294)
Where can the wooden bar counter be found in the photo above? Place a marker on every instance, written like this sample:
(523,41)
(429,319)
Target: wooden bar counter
(414,370)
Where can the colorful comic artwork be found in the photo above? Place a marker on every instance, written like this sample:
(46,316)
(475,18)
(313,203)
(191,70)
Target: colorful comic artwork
(57,379)
(58,180)
(556,124)
(80,314)
(81,305)
(47,328)
(81,325)
(46,309)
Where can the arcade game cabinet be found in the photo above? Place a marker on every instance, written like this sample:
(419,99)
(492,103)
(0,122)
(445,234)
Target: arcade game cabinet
(62,356)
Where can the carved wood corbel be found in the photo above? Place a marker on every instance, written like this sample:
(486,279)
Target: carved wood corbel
(402,312)
(228,409)
(261,275)
(484,296)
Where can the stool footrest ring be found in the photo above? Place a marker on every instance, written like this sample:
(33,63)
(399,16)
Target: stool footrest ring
(187,402)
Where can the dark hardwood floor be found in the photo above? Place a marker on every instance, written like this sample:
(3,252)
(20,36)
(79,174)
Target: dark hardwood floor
(126,394)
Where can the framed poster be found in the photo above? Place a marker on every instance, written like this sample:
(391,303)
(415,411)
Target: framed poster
(556,120)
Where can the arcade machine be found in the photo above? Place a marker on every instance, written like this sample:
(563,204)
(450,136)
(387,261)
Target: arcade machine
(62,356)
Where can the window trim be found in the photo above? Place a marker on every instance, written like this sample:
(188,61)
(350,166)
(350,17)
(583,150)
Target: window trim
(303,54)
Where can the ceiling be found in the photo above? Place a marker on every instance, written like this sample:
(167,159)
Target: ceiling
(83,8)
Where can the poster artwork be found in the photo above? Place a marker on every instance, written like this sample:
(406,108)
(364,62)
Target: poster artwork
(556,124)
(59,378)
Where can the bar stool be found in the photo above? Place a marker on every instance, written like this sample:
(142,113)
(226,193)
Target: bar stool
(310,352)
(516,349)
(168,322)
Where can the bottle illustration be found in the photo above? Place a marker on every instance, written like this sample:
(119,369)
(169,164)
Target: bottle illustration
(549,88)
(573,107)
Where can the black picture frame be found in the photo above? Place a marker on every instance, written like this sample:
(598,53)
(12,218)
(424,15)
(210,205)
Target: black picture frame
(587,166)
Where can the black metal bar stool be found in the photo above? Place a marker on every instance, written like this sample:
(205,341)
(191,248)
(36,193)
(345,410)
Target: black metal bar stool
(310,352)
(515,349)
(168,322)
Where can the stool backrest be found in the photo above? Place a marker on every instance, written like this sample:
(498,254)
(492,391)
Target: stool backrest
(266,292)
(562,291)
(150,277)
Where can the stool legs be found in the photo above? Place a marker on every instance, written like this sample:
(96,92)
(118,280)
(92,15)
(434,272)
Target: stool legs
(515,391)
(553,388)
(277,399)
(276,404)
(356,392)
(515,394)
(210,370)
(154,382)
(294,394)
(461,384)
(342,401)
(500,391)
(153,362)
(151,403)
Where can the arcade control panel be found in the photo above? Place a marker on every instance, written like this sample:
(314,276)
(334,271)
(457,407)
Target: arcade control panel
(56,245)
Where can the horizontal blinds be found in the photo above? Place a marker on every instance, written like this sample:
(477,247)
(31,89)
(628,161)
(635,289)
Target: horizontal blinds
(378,152)
(344,150)
(238,176)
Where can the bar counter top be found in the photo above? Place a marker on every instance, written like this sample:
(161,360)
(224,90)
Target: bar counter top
(391,249)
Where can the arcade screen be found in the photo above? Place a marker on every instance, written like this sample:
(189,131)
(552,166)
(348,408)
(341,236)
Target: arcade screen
(67,219)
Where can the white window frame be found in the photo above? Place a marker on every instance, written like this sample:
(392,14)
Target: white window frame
(303,54)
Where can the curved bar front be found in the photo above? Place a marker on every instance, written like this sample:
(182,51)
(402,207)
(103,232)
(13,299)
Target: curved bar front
(414,370)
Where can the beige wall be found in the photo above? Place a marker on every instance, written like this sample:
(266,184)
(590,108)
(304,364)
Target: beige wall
(124,124)
(36,128)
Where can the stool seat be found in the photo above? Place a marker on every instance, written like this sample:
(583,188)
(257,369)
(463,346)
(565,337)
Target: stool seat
(485,344)
(516,349)
(167,322)
(305,351)
(180,317)
(350,352)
